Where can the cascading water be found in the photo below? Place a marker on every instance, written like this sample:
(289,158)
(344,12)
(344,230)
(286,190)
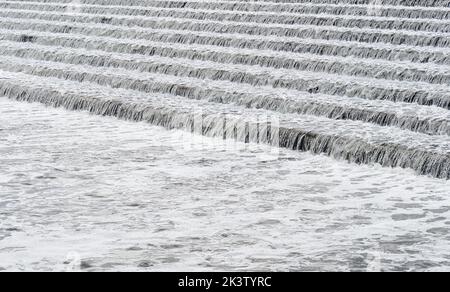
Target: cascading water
(360,80)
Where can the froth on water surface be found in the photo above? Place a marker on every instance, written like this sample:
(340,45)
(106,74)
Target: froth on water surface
(84,192)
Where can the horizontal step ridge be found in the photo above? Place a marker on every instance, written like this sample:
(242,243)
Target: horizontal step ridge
(432,158)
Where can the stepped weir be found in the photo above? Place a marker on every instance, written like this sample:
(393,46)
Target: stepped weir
(367,81)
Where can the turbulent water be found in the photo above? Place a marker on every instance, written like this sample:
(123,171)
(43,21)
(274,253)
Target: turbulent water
(359,80)
(242,88)
(95,193)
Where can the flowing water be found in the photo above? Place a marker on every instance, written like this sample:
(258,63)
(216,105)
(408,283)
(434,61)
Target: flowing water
(361,81)
(95,193)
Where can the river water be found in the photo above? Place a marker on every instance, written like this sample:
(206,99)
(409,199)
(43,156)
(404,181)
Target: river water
(84,192)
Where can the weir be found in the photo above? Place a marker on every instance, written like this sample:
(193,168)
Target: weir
(360,80)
